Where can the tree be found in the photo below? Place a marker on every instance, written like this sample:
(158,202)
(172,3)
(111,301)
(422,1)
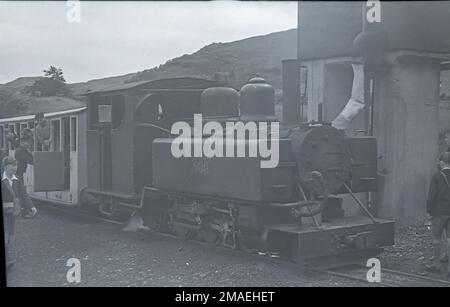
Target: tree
(55,73)
(49,87)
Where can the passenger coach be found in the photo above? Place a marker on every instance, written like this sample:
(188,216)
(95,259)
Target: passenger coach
(59,143)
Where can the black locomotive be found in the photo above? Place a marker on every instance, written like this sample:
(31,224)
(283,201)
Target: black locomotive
(292,210)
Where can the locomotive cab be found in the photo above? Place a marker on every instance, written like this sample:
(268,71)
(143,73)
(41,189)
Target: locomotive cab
(122,123)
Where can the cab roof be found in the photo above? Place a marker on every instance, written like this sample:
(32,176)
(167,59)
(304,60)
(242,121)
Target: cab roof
(170,83)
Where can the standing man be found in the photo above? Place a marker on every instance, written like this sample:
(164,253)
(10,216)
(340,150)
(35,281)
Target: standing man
(446,255)
(24,157)
(42,132)
(438,207)
(14,198)
(12,138)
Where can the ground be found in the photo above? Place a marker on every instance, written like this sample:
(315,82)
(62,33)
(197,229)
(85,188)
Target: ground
(413,250)
(111,257)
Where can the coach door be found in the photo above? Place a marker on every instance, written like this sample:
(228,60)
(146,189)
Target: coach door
(49,160)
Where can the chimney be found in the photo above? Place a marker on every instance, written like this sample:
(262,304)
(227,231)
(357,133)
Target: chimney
(291,92)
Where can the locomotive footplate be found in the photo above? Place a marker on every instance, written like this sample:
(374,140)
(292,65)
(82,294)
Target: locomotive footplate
(343,239)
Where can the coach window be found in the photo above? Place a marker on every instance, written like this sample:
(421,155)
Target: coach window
(73,134)
(18,132)
(66,144)
(38,146)
(2,137)
(24,128)
(11,133)
(33,135)
(66,133)
(56,131)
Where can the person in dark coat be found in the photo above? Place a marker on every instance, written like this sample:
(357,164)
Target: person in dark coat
(12,138)
(438,207)
(444,146)
(24,158)
(14,197)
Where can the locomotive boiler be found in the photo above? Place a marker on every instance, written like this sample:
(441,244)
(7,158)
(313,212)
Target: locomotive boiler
(301,209)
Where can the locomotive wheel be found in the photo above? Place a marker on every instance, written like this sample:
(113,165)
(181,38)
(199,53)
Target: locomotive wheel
(154,212)
(210,236)
(154,220)
(183,232)
(180,230)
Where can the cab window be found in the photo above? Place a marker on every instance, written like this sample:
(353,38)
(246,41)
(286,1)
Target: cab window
(107,110)
(73,137)
(56,135)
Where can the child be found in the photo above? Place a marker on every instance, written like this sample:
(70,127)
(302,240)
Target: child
(438,206)
(14,197)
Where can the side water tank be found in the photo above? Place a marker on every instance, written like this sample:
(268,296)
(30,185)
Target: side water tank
(220,101)
(257,98)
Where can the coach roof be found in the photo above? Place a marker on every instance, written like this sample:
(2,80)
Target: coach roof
(46,115)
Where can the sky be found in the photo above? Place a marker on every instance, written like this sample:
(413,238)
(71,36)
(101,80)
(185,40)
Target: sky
(115,38)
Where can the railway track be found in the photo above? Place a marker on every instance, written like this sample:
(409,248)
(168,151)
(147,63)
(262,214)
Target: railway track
(352,271)
(389,277)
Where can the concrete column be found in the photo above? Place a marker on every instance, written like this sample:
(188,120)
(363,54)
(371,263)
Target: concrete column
(406,126)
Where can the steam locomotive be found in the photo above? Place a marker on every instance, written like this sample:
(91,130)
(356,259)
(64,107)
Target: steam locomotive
(292,209)
(115,155)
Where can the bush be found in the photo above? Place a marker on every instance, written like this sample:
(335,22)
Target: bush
(49,87)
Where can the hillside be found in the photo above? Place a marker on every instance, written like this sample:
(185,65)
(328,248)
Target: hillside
(236,61)
(233,62)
